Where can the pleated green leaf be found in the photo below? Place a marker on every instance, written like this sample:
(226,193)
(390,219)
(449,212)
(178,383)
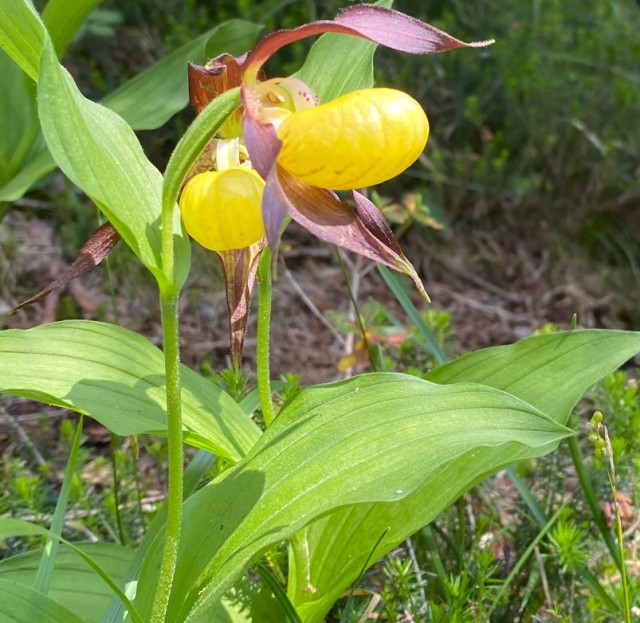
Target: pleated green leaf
(117,377)
(22,604)
(99,152)
(145,102)
(22,34)
(19,125)
(376,438)
(74,584)
(551,372)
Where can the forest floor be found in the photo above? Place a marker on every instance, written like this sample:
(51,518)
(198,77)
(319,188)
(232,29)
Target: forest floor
(497,285)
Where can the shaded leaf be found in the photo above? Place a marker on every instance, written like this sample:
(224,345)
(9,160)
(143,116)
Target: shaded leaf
(338,64)
(379,437)
(149,99)
(117,377)
(63,18)
(22,604)
(74,584)
(19,125)
(340,543)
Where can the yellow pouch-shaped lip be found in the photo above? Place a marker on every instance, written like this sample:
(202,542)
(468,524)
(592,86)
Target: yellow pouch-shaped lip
(222,209)
(360,139)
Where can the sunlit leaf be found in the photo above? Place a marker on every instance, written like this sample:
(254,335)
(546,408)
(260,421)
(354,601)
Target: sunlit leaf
(340,543)
(74,584)
(22,34)
(338,64)
(99,152)
(550,372)
(117,377)
(379,437)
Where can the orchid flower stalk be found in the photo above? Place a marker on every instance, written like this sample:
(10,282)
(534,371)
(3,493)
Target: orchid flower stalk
(303,150)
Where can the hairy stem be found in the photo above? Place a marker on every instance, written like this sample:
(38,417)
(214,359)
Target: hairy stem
(175,457)
(171,342)
(262,350)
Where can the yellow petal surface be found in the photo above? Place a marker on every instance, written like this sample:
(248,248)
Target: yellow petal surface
(222,209)
(360,139)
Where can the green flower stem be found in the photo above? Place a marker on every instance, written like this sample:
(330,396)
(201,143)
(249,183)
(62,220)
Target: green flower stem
(262,350)
(170,337)
(169,307)
(300,547)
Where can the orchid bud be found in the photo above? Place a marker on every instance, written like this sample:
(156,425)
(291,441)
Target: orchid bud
(360,139)
(222,209)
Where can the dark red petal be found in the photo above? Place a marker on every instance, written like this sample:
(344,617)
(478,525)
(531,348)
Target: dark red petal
(398,31)
(219,75)
(274,210)
(361,230)
(92,252)
(383,26)
(239,268)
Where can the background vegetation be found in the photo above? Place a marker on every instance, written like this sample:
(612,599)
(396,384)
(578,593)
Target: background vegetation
(535,149)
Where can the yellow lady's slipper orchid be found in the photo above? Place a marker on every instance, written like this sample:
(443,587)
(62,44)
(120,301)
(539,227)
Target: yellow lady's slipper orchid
(222,209)
(360,139)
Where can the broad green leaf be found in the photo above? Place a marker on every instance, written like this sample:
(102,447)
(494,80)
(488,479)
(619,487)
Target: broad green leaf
(19,126)
(338,64)
(376,438)
(340,544)
(30,172)
(22,604)
(117,377)
(21,34)
(550,372)
(74,584)
(150,98)
(146,101)
(99,152)
(63,18)
(12,527)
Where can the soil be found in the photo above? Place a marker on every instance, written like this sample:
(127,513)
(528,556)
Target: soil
(498,287)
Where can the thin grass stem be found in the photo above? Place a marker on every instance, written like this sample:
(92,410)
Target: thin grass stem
(47,562)
(592,500)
